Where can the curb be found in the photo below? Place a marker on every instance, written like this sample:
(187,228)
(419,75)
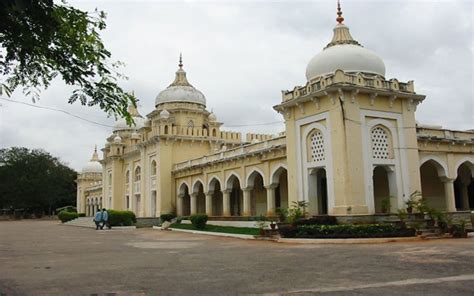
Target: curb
(241,236)
(348,240)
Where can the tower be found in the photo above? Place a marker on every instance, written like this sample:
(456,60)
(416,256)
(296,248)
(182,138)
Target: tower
(351,133)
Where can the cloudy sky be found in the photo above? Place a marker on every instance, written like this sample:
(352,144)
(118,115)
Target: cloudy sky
(241,54)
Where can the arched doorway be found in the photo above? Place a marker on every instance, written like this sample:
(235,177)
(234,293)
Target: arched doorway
(384,185)
(198,192)
(185,200)
(236,197)
(280,177)
(258,196)
(317,192)
(217,201)
(432,187)
(464,187)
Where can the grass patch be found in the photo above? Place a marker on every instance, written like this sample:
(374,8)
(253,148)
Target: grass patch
(221,229)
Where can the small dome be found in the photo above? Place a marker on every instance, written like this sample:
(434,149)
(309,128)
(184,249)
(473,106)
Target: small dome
(180,91)
(139,121)
(346,54)
(164,114)
(93,166)
(117,139)
(212,117)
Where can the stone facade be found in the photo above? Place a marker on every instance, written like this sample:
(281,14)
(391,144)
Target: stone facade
(351,142)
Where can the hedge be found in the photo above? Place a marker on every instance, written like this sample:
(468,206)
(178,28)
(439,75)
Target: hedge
(81,214)
(66,216)
(167,217)
(318,220)
(344,231)
(199,220)
(121,218)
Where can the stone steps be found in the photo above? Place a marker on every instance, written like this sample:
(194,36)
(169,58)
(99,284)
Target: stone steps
(82,222)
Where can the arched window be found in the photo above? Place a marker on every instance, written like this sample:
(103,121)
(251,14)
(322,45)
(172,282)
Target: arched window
(127,177)
(213,132)
(110,179)
(315,146)
(138,172)
(381,143)
(166,129)
(153,168)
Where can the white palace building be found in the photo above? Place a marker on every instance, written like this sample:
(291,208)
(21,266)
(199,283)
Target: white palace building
(350,142)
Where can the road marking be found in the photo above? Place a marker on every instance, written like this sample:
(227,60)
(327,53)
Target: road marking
(416,281)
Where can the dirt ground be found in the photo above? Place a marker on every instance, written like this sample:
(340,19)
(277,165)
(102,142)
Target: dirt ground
(46,258)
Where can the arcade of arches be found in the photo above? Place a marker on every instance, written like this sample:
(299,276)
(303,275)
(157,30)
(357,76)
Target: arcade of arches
(232,199)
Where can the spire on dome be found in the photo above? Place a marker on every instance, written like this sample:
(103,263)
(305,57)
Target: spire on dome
(341,31)
(180,79)
(95,156)
(339,18)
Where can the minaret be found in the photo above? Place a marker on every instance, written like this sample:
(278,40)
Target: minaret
(341,31)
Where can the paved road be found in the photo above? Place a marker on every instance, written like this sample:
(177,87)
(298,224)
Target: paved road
(44,258)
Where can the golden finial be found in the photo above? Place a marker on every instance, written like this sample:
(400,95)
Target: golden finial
(339,18)
(180,61)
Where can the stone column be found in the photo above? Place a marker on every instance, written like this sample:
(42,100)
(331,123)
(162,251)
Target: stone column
(179,204)
(449,195)
(270,200)
(193,203)
(209,203)
(247,207)
(226,202)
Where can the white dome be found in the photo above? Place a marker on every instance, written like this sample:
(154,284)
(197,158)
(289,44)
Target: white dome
(135,135)
(212,117)
(186,94)
(180,90)
(139,121)
(164,114)
(117,139)
(346,57)
(346,54)
(92,167)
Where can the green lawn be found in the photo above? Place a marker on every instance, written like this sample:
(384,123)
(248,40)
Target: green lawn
(222,229)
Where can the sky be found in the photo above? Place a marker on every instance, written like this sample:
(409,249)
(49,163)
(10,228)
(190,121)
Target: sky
(241,54)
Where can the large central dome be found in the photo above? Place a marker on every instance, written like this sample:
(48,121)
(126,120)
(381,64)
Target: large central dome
(344,53)
(180,91)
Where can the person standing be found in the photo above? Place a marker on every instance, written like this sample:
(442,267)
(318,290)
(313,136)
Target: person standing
(98,219)
(105,219)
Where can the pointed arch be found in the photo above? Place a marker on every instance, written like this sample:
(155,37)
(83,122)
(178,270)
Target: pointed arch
(230,179)
(437,162)
(197,183)
(251,177)
(211,185)
(275,173)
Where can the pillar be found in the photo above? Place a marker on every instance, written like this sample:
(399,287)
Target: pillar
(270,200)
(193,203)
(247,206)
(226,202)
(449,195)
(179,205)
(209,203)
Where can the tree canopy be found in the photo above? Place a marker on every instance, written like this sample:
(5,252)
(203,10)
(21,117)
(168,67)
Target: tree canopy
(41,40)
(34,180)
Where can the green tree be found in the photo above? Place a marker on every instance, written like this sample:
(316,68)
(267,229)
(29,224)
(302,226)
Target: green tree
(41,40)
(35,181)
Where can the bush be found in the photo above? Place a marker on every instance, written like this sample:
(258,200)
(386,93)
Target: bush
(346,231)
(81,214)
(66,216)
(167,217)
(318,220)
(199,220)
(121,218)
